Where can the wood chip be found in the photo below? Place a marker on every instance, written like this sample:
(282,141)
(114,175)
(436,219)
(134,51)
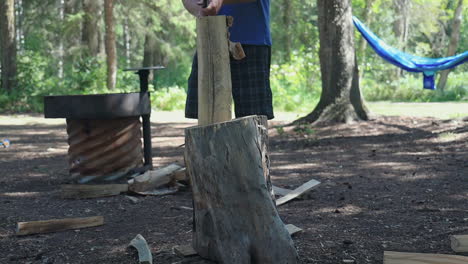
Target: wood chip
(144,252)
(184,251)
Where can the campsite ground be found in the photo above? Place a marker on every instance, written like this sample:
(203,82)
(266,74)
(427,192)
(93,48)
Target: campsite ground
(393,183)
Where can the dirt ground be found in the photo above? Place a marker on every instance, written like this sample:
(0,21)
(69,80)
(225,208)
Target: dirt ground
(394,183)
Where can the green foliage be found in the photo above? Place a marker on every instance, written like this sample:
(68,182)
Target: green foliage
(295,74)
(296,84)
(34,81)
(168,99)
(409,89)
(304,129)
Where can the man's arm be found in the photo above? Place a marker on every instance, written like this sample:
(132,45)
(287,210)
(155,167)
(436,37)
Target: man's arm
(194,6)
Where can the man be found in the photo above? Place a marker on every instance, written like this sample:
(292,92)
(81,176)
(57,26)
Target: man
(250,76)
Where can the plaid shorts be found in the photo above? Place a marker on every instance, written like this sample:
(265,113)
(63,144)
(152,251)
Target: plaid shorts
(250,84)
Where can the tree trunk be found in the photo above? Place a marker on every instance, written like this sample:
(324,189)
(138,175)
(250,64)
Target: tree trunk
(127,39)
(111,56)
(90,31)
(8,44)
(235,219)
(19,25)
(149,51)
(453,46)
(287,17)
(341,100)
(401,26)
(367,20)
(72,39)
(61,7)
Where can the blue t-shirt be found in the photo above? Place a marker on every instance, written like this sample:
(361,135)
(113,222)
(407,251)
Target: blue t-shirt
(251,22)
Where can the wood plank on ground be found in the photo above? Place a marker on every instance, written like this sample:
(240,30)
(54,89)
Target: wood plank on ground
(144,252)
(459,243)
(298,192)
(83,191)
(281,191)
(391,257)
(56,225)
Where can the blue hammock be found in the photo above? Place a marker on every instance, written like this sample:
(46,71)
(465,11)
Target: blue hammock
(408,62)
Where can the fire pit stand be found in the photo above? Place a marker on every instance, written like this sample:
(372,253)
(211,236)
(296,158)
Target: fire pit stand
(104,131)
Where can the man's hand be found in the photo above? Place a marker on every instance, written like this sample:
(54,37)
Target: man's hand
(195,6)
(213,7)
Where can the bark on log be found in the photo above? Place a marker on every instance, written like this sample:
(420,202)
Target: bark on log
(235,219)
(214,71)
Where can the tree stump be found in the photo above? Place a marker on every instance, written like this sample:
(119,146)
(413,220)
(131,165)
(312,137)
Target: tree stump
(235,219)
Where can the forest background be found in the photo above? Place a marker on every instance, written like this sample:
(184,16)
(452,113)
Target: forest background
(67,46)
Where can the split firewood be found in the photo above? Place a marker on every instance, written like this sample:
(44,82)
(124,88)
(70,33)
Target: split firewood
(459,243)
(144,252)
(236,50)
(391,257)
(297,192)
(82,191)
(184,251)
(292,229)
(151,180)
(180,175)
(281,191)
(56,225)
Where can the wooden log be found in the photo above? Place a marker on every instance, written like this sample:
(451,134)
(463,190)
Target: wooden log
(56,225)
(236,220)
(144,252)
(83,191)
(391,257)
(459,243)
(153,179)
(214,71)
(297,192)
